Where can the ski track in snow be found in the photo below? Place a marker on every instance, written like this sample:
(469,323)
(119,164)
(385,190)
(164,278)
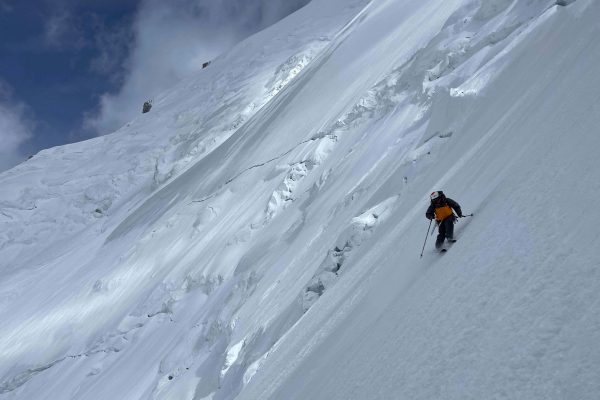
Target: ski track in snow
(358,110)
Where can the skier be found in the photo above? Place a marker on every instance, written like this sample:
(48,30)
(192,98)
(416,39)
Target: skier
(442,209)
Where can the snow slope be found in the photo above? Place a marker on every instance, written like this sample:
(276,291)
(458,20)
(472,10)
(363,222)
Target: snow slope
(257,235)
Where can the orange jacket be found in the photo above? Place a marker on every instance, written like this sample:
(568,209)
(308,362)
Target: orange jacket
(443,210)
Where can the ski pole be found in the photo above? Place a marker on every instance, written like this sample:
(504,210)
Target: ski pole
(465,216)
(426,235)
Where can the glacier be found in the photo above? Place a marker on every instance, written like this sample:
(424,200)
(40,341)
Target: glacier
(257,234)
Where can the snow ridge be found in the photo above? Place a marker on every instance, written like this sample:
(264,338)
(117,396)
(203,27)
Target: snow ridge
(257,234)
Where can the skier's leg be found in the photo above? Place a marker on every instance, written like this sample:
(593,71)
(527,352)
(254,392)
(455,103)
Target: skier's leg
(449,222)
(441,235)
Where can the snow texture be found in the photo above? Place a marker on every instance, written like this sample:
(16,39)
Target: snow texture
(257,235)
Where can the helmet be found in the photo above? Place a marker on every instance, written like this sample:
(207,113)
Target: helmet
(435,195)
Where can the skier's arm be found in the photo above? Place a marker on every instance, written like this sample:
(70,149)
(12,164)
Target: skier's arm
(455,206)
(429,214)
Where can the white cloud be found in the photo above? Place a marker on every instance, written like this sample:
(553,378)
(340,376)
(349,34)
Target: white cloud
(15,128)
(172,39)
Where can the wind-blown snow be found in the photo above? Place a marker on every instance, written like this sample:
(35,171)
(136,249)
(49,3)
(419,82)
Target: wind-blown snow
(257,234)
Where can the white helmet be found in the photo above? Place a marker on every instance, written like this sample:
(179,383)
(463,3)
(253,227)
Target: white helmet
(435,195)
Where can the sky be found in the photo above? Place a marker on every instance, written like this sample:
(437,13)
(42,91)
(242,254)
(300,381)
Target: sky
(72,70)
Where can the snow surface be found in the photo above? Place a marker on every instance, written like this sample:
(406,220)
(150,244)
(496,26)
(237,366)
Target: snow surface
(257,234)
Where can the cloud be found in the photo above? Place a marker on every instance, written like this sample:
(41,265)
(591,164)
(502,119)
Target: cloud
(62,31)
(5,7)
(170,42)
(15,128)
(112,44)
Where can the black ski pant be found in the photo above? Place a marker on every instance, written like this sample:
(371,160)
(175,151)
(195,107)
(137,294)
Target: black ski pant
(445,230)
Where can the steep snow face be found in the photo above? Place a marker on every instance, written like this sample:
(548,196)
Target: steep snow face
(257,235)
